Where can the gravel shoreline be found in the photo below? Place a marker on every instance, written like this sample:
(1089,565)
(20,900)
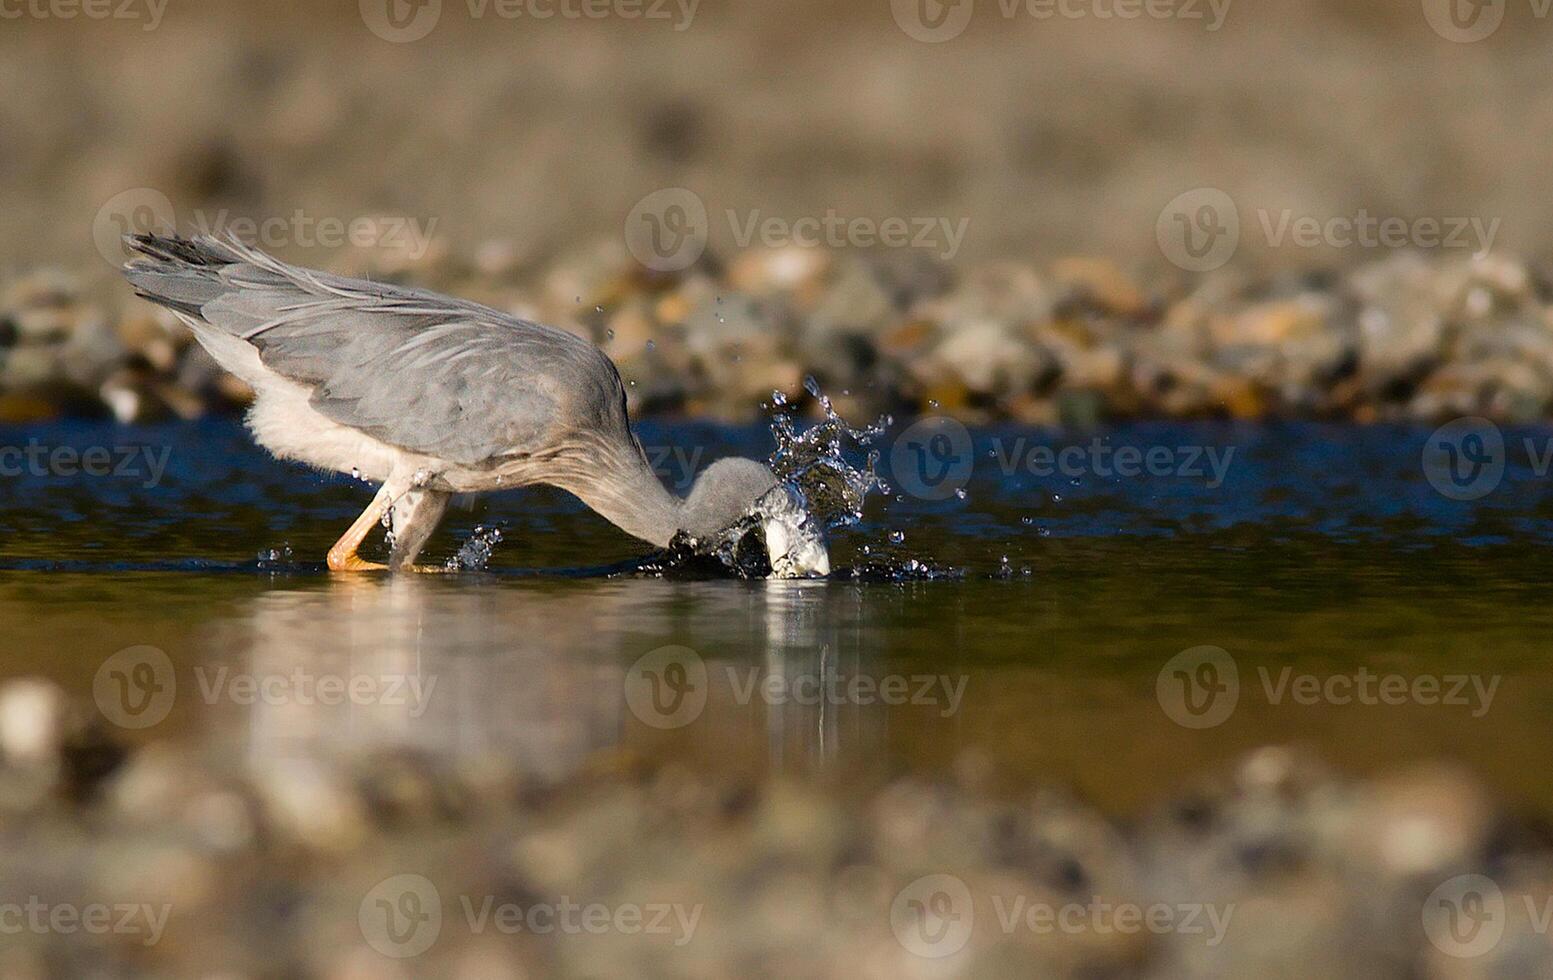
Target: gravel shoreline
(288,867)
(1407,337)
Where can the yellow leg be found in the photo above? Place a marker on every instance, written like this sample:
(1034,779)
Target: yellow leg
(342,557)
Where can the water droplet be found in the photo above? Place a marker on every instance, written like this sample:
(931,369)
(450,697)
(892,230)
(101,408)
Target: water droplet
(932,403)
(1027,520)
(474,555)
(609,334)
(897,537)
(652,345)
(811,386)
(960,493)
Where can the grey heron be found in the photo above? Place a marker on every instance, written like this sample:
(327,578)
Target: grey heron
(431,396)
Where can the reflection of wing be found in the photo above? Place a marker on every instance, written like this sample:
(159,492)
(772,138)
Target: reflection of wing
(410,367)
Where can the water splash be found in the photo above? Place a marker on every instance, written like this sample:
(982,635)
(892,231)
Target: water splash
(273,558)
(825,472)
(474,555)
(818,462)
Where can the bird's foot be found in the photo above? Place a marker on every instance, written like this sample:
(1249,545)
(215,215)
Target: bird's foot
(351,563)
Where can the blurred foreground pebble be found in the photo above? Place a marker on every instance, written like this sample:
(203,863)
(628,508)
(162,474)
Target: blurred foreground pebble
(168,860)
(1406,336)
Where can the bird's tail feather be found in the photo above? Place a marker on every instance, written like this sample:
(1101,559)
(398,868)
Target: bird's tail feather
(182,274)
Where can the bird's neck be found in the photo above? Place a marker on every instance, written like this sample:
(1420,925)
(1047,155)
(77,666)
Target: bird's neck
(626,492)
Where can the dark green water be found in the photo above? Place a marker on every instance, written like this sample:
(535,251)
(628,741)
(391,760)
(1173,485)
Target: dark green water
(1324,556)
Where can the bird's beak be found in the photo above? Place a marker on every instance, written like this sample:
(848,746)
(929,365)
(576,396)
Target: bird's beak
(795,551)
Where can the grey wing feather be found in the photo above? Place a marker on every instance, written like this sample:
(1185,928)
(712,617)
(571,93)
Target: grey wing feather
(410,367)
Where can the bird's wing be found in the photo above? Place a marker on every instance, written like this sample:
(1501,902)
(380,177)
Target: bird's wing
(409,367)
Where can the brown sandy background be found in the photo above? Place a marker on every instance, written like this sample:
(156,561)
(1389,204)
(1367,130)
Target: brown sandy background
(1051,136)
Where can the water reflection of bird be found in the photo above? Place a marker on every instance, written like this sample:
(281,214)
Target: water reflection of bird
(431,396)
(544,678)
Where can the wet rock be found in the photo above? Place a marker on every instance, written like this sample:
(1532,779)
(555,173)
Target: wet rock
(1100,283)
(794,270)
(1422,823)
(986,360)
(1402,330)
(34,722)
(311,805)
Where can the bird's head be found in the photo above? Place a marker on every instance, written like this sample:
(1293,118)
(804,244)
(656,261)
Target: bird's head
(732,490)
